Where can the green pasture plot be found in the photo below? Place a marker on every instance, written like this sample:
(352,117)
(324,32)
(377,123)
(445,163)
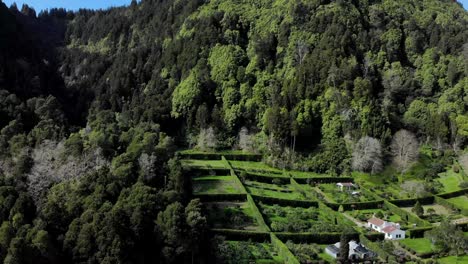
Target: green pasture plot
(460,201)
(453,260)
(334,193)
(450,180)
(419,245)
(231,215)
(292,219)
(285,194)
(216,187)
(269,186)
(253,166)
(214,178)
(206,164)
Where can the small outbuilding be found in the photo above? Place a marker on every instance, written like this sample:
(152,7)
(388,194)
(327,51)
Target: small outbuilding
(348,186)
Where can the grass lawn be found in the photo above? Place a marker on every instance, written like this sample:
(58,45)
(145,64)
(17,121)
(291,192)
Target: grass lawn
(260,252)
(333,193)
(450,180)
(252,165)
(460,201)
(453,260)
(419,245)
(216,187)
(288,195)
(215,164)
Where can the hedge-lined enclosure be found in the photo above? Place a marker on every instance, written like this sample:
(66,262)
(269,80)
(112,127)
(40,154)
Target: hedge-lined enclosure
(271,178)
(417,232)
(453,194)
(407,215)
(197,172)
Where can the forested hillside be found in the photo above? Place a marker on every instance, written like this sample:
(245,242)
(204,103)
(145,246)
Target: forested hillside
(95,104)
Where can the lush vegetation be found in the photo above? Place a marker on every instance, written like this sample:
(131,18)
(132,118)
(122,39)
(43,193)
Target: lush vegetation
(94,105)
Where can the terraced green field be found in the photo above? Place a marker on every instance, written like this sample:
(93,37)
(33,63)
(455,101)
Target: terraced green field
(256,214)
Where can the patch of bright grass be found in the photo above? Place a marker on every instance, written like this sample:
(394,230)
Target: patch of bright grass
(460,201)
(450,180)
(453,260)
(214,178)
(215,164)
(252,165)
(216,187)
(419,245)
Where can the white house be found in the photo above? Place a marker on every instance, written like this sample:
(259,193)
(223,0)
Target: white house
(391,230)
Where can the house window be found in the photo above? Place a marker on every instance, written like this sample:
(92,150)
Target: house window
(398,236)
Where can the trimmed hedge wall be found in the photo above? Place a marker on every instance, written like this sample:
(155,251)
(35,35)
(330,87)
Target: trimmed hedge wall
(283,250)
(257,213)
(453,194)
(318,238)
(324,180)
(357,205)
(410,216)
(411,202)
(284,202)
(418,232)
(205,172)
(375,236)
(264,178)
(230,197)
(242,235)
(244,157)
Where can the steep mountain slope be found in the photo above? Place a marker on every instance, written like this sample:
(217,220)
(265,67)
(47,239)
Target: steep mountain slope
(93,105)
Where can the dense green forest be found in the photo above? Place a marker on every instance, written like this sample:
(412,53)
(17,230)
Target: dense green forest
(95,104)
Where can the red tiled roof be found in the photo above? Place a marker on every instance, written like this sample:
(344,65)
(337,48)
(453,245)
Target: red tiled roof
(376,221)
(389,229)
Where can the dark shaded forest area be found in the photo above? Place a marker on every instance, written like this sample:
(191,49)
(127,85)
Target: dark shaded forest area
(94,105)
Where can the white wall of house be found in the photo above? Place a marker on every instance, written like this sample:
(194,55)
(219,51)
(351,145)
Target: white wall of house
(396,234)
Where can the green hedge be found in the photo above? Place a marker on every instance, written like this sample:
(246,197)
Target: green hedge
(341,219)
(369,193)
(233,174)
(411,202)
(374,236)
(244,157)
(407,215)
(417,232)
(285,202)
(312,195)
(231,197)
(258,215)
(264,178)
(324,180)
(242,235)
(453,194)
(357,205)
(283,250)
(318,238)
(201,156)
(384,255)
(195,172)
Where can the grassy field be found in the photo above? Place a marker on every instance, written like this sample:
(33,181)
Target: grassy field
(460,201)
(216,187)
(419,245)
(215,164)
(333,193)
(450,180)
(453,260)
(214,178)
(253,166)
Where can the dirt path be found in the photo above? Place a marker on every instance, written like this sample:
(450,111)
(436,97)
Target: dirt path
(357,222)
